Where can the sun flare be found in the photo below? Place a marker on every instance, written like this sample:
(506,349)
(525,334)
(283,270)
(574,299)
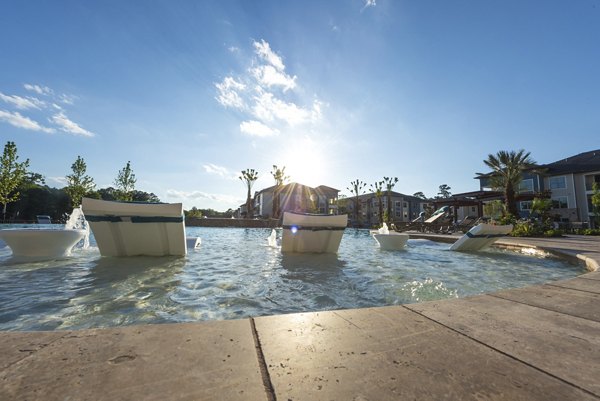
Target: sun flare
(305,162)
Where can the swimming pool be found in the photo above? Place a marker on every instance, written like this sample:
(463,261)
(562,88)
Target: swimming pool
(235,274)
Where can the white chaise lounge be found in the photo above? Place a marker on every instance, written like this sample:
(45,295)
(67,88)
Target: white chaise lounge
(132,229)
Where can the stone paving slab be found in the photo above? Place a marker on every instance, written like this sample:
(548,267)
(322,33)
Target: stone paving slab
(16,345)
(204,361)
(572,302)
(564,346)
(579,283)
(392,353)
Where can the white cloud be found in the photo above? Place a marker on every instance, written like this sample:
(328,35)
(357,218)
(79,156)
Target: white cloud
(369,3)
(220,171)
(269,76)
(23,103)
(57,180)
(256,128)
(69,126)
(188,197)
(228,93)
(268,108)
(263,49)
(67,99)
(260,94)
(17,120)
(40,90)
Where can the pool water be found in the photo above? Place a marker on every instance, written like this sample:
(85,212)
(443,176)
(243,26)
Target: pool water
(235,274)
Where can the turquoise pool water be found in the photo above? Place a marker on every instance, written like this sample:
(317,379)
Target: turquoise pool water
(235,274)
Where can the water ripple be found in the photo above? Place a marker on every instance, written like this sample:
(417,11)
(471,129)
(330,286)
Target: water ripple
(235,275)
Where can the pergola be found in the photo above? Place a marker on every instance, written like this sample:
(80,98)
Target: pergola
(476,198)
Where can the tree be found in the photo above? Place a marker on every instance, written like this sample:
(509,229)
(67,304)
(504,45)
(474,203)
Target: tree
(389,185)
(507,173)
(356,188)
(342,204)
(444,191)
(420,195)
(194,212)
(125,183)
(141,196)
(12,174)
(249,176)
(377,189)
(79,184)
(280,178)
(541,207)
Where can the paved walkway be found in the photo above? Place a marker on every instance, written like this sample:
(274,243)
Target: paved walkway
(536,343)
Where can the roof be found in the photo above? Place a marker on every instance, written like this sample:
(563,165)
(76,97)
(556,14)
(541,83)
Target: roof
(320,188)
(392,193)
(581,163)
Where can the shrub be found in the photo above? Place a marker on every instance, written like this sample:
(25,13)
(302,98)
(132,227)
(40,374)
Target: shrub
(553,233)
(526,229)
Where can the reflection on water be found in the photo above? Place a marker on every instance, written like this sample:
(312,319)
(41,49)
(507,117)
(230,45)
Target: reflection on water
(236,274)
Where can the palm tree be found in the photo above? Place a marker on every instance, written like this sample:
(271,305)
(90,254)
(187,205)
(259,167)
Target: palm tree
(377,189)
(280,179)
(356,188)
(389,185)
(249,176)
(507,173)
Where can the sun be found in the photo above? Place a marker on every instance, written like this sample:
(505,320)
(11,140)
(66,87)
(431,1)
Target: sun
(305,162)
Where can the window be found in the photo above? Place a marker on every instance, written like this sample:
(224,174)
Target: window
(558,182)
(590,180)
(525,205)
(526,185)
(560,202)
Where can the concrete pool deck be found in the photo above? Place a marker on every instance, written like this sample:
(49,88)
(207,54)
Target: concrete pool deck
(535,343)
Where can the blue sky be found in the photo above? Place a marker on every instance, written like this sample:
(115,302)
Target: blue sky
(193,92)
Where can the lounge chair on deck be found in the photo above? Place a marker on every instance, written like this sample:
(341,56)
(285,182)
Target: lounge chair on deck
(131,229)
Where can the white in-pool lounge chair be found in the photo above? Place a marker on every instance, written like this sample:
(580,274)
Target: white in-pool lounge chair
(312,233)
(132,229)
(481,236)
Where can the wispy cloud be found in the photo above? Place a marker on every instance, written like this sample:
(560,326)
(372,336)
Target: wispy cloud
(67,99)
(17,120)
(57,180)
(66,125)
(22,103)
(261,95)
(220,171)
(256,128)
(269,76)
(263,49)
(188,197)
(229,93)
(52,108)
(368,3)
(40,90)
